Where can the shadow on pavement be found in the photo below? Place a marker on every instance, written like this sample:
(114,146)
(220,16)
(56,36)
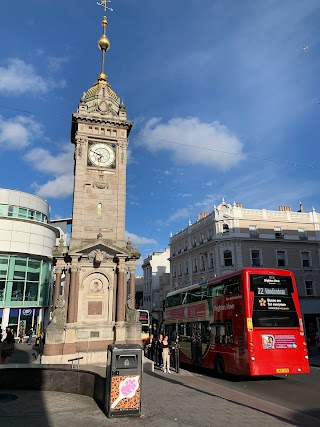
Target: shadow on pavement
(20,408)
(207,393)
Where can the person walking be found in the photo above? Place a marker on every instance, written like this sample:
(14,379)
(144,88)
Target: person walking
(151,347)
(7,347)
(159,350)
(166,354)
(21,333)
(30,336)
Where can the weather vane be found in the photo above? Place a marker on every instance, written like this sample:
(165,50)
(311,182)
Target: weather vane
(104,4)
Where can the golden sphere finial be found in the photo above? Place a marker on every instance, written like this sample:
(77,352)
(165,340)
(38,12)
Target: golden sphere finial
(104,43)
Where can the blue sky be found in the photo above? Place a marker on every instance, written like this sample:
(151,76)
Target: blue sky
(214,88)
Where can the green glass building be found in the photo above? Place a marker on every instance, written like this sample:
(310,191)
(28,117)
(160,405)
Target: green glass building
(26,243)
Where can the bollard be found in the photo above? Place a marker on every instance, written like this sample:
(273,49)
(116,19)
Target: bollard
(177,361)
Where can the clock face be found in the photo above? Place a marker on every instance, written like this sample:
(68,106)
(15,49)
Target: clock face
(101,155)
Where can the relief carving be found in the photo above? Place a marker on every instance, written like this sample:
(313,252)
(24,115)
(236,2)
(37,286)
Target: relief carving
(132,315)
(98,256)
(79,143)
(59,315)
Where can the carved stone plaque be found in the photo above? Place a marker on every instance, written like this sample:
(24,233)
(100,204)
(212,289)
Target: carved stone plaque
(94,308)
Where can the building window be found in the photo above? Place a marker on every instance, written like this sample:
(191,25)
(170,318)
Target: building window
(210,261)
(278,233)
(180,269)
(305,259)
(24,279)
(227,258)
(209,234)
(302,234)
(309,285)
(203,263)
(99,210)
(23,213)
(194,265)
(186,267)
(179,250)
(201,238)
(174,272)
(186,245)
(225,228)
(194,244)
(256,258)
(281,259)
(253,231)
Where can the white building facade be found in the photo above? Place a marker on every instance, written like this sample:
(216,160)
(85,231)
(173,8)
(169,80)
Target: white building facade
(231,237)
(26,243)
(154,266)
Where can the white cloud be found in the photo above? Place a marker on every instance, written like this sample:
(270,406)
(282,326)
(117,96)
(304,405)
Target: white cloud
(192,141)
(137,240)
(60,166)
(60,187)
(19,78)
(55,62)
(184,195)
(191,210)
(181,213)
(18,132)
(44,161)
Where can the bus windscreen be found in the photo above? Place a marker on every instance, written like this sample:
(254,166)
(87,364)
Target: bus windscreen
(273,303)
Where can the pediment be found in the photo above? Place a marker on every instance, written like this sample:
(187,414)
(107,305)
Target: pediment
(107,247)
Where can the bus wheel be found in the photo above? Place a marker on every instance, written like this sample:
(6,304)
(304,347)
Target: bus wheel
(219,366)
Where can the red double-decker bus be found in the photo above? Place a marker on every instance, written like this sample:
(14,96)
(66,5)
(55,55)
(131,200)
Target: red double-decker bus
(144,318)
(245,323)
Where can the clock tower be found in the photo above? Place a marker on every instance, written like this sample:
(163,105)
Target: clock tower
(100,131)
(93,308)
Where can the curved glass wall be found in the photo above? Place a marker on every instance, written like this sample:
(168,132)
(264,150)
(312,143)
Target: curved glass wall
(12,211)
(24,281)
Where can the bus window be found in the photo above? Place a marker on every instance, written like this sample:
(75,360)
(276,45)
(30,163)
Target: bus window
(273,302)
(215,291)
(184,332)
(222,333)
(195,295)
(232,285)
(229,332)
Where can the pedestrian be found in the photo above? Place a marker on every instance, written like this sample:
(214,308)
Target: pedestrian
(30,336)
(318,342)
(7,347)
(308,341)
(159,350)
(166,354)
(151,347)
(21,333)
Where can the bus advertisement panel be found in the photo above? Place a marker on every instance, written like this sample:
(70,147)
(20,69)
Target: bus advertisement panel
(245,323)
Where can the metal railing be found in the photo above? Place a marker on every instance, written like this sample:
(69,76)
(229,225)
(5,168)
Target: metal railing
(74,360)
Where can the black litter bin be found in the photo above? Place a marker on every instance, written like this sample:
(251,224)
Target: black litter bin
(123,380)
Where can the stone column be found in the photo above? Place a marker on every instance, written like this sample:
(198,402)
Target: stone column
(76,298)
(114,301)
(132,290)
(121,294)
(66,289)
(57,288)
(72,295)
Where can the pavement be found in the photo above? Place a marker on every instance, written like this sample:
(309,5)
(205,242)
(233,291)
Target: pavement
(168,400)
